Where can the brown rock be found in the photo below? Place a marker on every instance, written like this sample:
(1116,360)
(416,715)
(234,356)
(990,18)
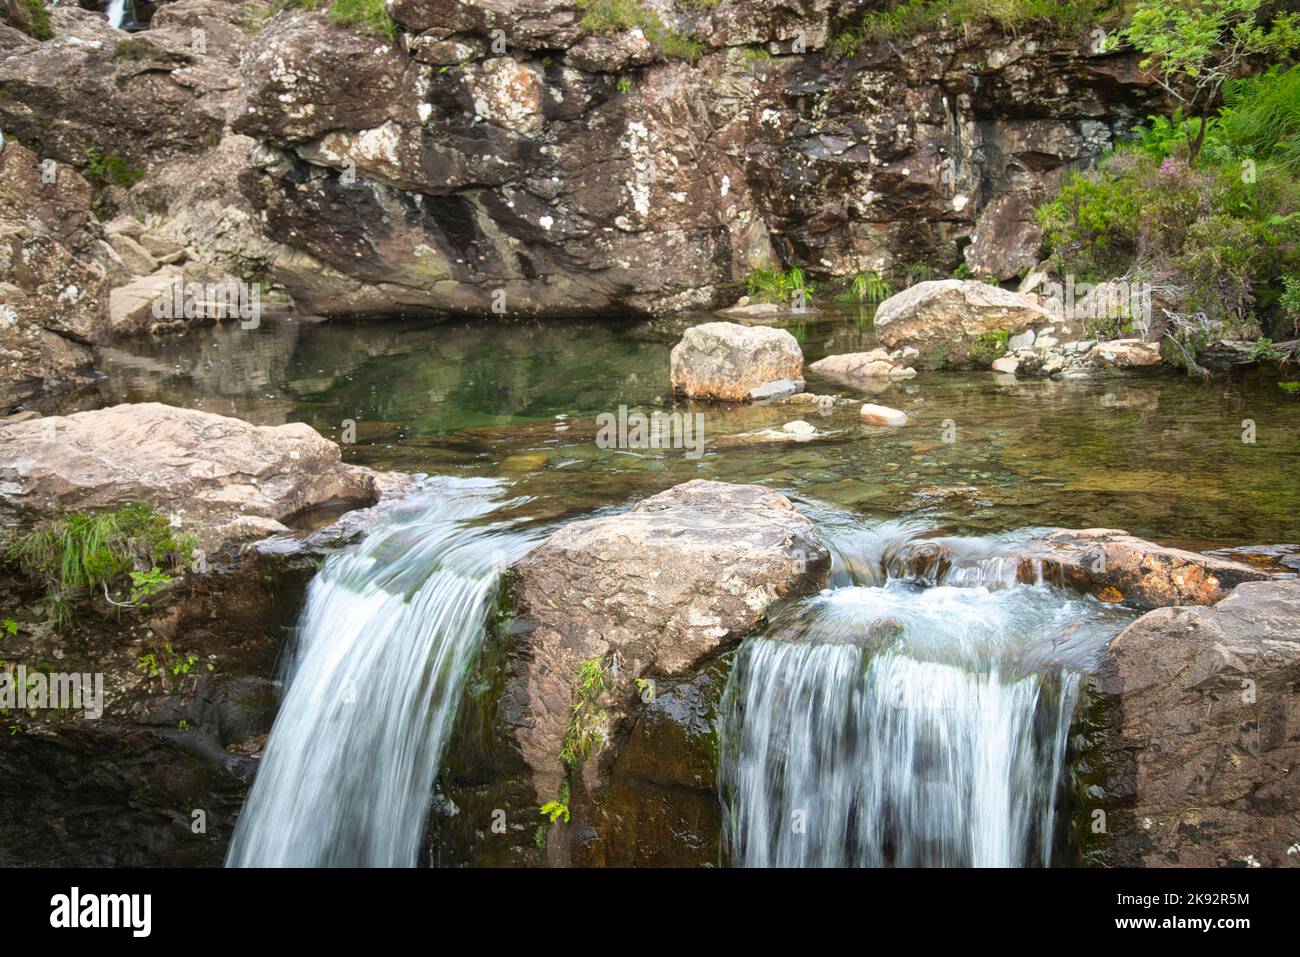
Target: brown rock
(728,361)
(655,591)
(226,480)
(1143,573)
(1126,353)
(862,368)
(1203,758)
(945,319)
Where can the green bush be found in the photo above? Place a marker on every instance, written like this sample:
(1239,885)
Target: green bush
(35,18)
(1218,237)
(990,346)
(770,284)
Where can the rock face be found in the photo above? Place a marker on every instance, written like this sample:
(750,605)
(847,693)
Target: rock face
(508,157)
(226,480)
(1205,760)
(954,323)
(53,279)
(728,361)
(651,593)
(1006,241)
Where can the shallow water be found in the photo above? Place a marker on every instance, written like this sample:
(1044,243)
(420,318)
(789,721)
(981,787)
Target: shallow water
(1160,456)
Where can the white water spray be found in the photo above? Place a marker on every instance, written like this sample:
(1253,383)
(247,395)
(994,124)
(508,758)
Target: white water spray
(389,630)
(905,725)
(116,10)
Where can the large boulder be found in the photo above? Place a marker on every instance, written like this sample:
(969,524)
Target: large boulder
(225,480)
(958,323)
(138,97)
(653,593)
(728,361)
(1204,755)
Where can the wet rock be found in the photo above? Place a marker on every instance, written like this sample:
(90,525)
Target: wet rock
(1203,759)
(957,323)
(862,368)
(1121,567)
(655,592)
(780,389)
(731,362)
(882,415)
(1006,364)
(225,480)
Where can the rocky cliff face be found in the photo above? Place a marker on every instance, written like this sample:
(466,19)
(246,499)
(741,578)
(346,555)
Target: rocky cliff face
(503,157)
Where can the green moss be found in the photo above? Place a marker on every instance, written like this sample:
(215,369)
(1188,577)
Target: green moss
(990,346)
(110,169)
(132,49)
(908,18)
(35,18)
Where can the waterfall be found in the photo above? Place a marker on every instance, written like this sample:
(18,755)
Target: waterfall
(116,9)
(389,629)
(907,723)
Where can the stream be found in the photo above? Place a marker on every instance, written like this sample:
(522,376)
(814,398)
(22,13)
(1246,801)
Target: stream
(894,719)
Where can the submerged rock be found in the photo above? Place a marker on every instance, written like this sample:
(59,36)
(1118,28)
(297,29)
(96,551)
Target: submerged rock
(956,323)
(728,361)
(882,415)
(1204,761)
(223,479)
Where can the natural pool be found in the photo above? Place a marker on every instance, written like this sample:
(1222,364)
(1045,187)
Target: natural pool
(903,715)
(1161,456)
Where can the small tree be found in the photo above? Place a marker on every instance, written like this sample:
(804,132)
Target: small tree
(1194,46)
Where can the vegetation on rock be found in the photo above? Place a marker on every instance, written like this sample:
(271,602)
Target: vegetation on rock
(81,554)
(1204,209)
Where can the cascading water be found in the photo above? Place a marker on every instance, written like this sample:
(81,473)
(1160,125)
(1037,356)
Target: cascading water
(906,722)
(116,10)
(387,635)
